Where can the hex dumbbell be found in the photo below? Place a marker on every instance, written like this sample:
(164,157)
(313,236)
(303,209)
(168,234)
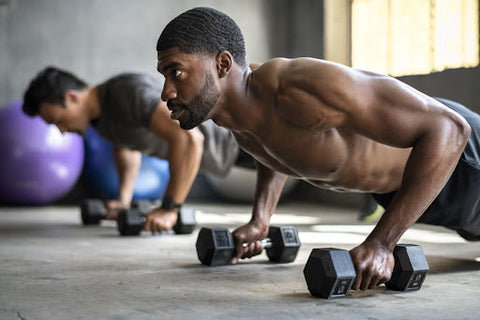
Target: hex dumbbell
(93,210)
(130,222)
(330,273)
(215,246)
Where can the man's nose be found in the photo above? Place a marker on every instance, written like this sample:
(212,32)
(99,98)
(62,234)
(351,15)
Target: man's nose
(169,92)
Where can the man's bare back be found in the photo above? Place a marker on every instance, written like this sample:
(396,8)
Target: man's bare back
(307,138)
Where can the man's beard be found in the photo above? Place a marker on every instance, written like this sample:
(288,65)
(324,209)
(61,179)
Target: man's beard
(201,104)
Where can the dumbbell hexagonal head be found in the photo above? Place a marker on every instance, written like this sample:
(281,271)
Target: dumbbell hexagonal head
(329,272)
(285,244)
(92,211)
(215,246)
(130,222)
(186,221)
(410,269)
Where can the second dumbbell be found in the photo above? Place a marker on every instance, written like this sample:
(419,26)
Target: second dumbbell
(92,211)
(329,272)
(215,246)
(130,222)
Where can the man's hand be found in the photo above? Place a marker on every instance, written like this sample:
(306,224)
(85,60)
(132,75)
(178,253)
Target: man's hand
(373,264)
(249,233)
(113,207)
(160,219)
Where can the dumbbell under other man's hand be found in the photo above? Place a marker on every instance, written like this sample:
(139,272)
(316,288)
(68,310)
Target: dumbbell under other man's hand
(215,246)
(130,222)
(93,210)
(330,273)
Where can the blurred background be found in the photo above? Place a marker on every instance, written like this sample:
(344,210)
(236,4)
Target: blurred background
(429,44)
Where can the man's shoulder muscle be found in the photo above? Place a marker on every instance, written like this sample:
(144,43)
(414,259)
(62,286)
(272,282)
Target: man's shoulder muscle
(302,92)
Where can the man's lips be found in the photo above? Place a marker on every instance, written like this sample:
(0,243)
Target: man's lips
(176,111)
(176,114)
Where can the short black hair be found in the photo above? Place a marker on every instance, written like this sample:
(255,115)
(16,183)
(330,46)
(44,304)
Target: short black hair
(204,30)
(49,85)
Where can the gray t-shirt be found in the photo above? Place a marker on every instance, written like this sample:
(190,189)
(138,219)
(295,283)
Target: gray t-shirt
(127,102)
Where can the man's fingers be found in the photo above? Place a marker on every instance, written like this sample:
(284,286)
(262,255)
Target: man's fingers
(376,280)
(363,280)
(366,281)
(146,225)
(258,248)
(112,214)
(253,249)
(357,282)
(249,251)
(157,226)
(238,252)
(153,227)
(155,223)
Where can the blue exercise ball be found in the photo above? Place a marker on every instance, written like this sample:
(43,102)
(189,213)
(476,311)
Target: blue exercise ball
(38,164)
(101,174)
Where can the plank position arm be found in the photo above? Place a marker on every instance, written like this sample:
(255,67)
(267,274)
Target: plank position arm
(267,192)
(184,155)
(127,163)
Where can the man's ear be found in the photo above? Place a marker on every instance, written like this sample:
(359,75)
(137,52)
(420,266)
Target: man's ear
(71,96)
(224,61)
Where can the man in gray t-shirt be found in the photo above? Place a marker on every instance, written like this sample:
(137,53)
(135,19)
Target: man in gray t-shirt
(127,103)
(127,110)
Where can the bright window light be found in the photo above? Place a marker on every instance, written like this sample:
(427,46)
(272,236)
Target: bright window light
(401,37)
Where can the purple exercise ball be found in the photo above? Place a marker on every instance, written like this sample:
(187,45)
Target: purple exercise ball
(38,164)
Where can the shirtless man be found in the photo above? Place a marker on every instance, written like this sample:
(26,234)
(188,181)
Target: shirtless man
(127,110)
(328,124)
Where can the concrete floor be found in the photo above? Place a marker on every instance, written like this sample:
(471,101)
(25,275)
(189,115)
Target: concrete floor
(51,267)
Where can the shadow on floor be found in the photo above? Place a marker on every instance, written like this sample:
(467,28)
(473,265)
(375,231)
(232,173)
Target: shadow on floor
(439,264)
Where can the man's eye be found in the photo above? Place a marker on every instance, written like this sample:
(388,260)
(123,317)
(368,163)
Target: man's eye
(178,73)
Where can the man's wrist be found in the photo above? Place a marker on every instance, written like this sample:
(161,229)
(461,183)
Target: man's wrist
(168,203)
(124,201)
(260,223)
(379,241)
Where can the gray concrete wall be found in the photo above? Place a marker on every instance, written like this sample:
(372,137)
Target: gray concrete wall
(3,52)
(295,28)
(98,38)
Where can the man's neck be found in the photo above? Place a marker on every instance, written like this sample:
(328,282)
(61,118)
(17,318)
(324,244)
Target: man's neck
(235,109)
(92,104)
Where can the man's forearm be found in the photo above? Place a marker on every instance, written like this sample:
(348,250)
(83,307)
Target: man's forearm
(430,165)
(128,164)
(268,190)
(184,158)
